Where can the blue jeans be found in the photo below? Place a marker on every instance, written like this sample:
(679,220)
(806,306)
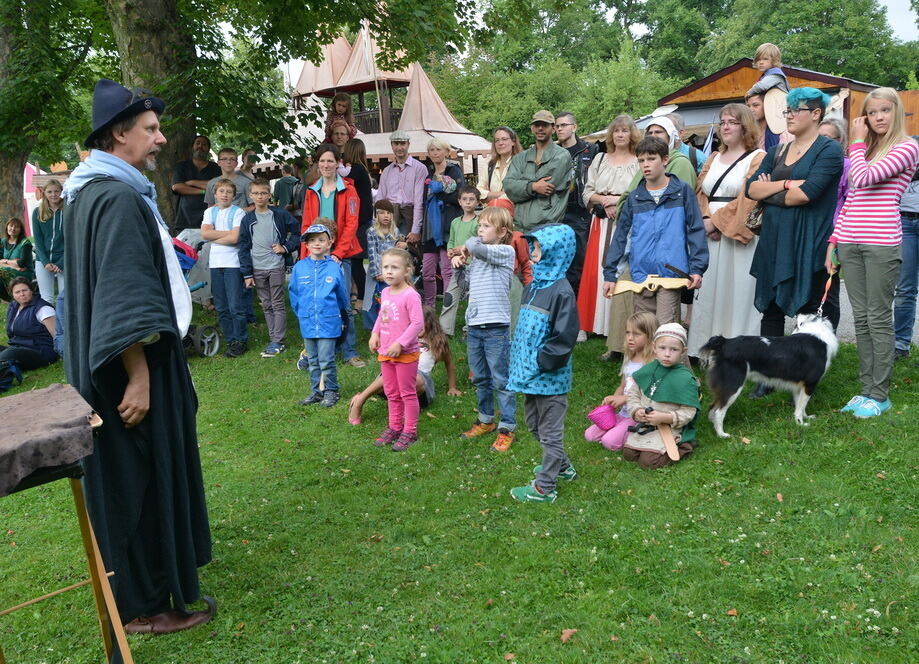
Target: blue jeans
(227,290)
(348,347)
(320,354)
(489,356)
(904,308)
(59,313)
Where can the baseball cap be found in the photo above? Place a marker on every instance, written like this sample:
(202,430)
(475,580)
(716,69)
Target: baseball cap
(543,116)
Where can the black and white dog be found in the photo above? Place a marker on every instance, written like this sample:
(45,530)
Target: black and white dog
(795,363)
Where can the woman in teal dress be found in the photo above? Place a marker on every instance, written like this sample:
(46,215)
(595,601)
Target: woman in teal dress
(17,258)
(797,184)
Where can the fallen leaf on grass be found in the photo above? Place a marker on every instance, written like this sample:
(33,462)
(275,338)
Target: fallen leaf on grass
(745,440)
(779,497)
(430,414)
(345,470)
(732,612)
(881,476)
(717,461)
(876,548)
(726,563)
(614,638)
(654,619)
(376,538)
(509,656)
(490,602)
(567,634)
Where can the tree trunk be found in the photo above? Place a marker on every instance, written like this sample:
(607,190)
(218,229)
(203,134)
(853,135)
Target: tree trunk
(157,52)
(12,165)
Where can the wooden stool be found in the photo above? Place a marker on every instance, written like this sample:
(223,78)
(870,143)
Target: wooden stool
(38,460)
(109,620)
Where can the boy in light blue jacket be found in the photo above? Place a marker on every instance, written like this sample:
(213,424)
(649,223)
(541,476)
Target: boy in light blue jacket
(320,300)
(547,330)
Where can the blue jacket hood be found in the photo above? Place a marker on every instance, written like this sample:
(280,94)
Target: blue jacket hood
(558,245)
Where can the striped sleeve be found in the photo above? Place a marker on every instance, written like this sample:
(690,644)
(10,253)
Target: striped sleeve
(871,212)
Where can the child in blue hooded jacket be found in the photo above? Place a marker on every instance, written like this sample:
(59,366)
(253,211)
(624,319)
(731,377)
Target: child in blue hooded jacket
(540,368)
(320,300)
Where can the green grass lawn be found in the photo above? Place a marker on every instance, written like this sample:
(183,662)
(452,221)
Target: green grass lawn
(782,544)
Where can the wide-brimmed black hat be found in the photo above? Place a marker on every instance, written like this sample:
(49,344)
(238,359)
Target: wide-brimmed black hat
(113,102)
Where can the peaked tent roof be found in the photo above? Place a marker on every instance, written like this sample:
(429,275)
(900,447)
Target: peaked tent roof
(321,79)
(361,71)
(424,109)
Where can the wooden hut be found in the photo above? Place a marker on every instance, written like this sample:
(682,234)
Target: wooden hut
(700,101)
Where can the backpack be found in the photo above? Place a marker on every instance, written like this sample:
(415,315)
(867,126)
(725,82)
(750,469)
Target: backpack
(8,373)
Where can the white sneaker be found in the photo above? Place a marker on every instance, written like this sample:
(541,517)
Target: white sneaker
(582,336)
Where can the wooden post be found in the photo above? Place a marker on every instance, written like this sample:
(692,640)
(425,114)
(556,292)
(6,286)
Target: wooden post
(385,112)
(107,610)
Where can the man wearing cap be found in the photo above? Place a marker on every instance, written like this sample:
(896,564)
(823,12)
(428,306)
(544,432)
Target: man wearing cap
(538,178)
(128,310)
(189,181)
(402,184)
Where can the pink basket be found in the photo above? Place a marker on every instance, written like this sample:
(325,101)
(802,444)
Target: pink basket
(604,416)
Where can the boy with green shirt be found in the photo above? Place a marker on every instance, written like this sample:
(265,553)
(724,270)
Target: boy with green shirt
(461,229)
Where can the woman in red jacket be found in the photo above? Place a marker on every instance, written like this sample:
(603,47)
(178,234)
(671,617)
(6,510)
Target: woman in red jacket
(334,197)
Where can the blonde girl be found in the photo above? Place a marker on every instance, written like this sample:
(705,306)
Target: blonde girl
(867,239)
(639,350)
(435,347)
(395,341)
(48,241)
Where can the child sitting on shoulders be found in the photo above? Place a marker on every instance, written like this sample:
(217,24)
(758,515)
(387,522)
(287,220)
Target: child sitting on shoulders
(665,398)
(768,59)
(435,348)
(395,340)
(319,299)
(462,228)
(382,235)
(340,112)
(639,351)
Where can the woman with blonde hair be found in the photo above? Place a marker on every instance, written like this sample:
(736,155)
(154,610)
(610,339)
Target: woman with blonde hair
(724,304)
(48,240)
(867,239)
(608,178)
(441,207)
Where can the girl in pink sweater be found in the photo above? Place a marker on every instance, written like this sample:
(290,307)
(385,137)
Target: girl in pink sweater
(395,340)
(867,239)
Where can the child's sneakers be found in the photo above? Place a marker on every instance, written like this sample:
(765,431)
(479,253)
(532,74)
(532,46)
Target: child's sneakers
(404,441)
(503,441)
(388,437)
(303,363)
(329,399)
(480,429)
(569,473)
(530,494)
(273,349)
(871,408)
(315,397)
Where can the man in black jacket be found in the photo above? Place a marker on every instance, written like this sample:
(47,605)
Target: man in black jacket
(576,216)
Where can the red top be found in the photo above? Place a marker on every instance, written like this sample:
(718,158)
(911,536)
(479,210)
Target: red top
(347,207)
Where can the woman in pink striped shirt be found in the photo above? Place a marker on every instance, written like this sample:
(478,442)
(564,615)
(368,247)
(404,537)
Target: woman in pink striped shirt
(867,239)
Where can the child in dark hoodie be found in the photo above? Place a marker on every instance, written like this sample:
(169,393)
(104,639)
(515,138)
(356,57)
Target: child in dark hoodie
(540,367)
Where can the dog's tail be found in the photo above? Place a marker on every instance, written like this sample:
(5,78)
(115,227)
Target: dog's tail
(711,349)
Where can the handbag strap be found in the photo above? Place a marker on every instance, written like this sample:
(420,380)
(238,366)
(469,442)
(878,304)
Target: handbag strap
(728,170)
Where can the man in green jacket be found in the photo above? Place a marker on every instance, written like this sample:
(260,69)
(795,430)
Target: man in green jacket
(538,178)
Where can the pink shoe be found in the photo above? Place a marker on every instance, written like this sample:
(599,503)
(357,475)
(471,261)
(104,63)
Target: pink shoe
(353,421)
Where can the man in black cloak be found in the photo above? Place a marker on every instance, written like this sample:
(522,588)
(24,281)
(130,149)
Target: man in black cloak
(128,310)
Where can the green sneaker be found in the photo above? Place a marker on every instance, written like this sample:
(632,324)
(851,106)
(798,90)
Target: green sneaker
(569,473)
(530,494)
